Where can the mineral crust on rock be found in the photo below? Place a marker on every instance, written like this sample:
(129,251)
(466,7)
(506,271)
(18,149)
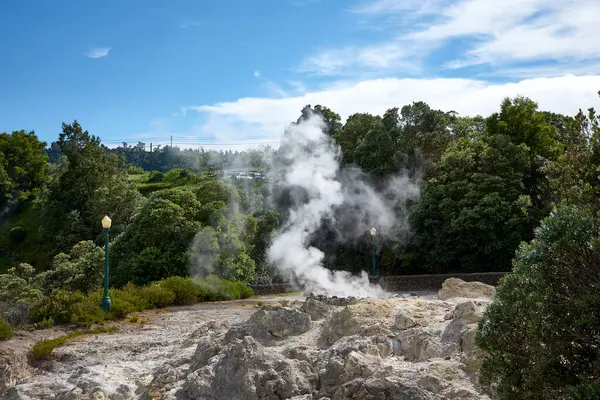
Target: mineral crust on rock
(419,348)
(454,287)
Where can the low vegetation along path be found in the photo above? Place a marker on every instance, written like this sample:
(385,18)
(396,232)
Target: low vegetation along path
(114,363)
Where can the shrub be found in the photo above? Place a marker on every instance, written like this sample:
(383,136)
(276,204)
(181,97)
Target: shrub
(245,291)
(44,348)
(46,323)
(156,176)
(6,331)
(134,170)
(88,312)
(542,331)
(185,291)
(59,306)
(212,288)
(157,296)
(123,302)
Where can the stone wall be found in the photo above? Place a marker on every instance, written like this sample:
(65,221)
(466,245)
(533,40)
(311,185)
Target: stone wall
(399,283)
(433,282)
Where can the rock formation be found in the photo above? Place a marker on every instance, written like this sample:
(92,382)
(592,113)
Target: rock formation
(418,348)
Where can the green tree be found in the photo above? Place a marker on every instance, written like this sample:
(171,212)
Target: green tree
(93,184)
(357,127)
(470,216)
(155,245)
(542,331)
(23,163)
(332,120)
(520,120)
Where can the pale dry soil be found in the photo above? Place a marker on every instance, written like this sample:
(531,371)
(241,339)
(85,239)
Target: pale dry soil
(127,357)
(401,347)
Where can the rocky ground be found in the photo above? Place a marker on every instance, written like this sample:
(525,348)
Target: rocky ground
(402,347)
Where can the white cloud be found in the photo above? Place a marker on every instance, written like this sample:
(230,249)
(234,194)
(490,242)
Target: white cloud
(257,74)
(266,118)
(384,56)
(500,33)
(98,52)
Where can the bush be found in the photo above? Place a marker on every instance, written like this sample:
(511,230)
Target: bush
(135,170)
(542,331)
(6,331)
(185,291)
(157,296)
(123,302)
(59,306)
(156,176)
(212,288)
(63,306)
(89,312)
(246,291)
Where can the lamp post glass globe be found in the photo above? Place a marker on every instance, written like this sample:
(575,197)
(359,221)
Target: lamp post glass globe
(106,222)
(373,231)
(105,305)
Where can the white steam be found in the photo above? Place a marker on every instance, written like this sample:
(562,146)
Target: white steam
(311,163)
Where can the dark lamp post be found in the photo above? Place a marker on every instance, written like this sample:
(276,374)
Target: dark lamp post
(373,232)
(106,223)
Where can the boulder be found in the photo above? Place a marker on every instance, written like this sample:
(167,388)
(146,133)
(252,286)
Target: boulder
(367,318)
(271,323)
(419,344)
(464,314)
(316,308)
(249,371)
(349,358)
(454,287)
(404,320)
(207,348)
(382,389)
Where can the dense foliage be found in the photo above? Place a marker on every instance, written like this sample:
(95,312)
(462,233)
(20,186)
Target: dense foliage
(542,332)
(486,183)
(520,180)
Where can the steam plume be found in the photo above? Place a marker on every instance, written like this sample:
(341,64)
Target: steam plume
(310,168)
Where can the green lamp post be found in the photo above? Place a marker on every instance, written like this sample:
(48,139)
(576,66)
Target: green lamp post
(373,232)
(106,223)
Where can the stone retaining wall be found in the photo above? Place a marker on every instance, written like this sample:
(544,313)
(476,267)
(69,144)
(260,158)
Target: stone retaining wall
(433,282)
(399,283)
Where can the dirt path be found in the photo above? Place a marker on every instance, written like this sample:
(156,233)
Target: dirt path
(119,361)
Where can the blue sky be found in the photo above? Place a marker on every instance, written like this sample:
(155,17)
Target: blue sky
(236,71)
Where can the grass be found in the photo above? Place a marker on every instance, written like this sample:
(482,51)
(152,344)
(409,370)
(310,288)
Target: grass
(44,348)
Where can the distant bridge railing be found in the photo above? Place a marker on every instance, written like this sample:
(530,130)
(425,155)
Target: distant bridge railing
(399,283)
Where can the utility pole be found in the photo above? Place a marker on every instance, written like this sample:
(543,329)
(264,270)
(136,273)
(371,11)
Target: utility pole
(170,155)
